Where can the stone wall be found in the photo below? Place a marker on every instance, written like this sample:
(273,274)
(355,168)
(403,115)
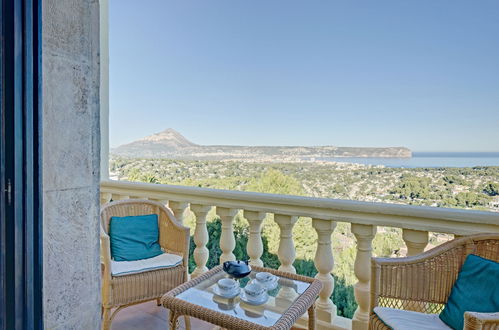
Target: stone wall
(71,142)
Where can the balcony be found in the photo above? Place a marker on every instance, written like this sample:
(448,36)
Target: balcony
(364,218)
(55,126)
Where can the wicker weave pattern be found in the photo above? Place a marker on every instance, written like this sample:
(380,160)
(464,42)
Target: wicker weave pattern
(481,321)
(411,305)
(126,290)
(299,307)
(424,282)
(375,323)
(146,286)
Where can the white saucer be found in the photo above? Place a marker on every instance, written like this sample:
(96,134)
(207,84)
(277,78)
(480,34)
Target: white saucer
(271,285)
(217,291)
(261,301)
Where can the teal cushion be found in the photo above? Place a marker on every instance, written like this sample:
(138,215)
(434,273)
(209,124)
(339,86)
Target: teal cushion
(134,237)
(476,290)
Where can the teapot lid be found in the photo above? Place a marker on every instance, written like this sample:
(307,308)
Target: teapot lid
(237,263)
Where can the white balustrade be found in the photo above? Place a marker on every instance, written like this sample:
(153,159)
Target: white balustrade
(255,245)
(105,198)
(161,201)
(324,262)
(227,240)
(178,209)
(415,240)
(362,268)
(138,197)
(286,252)
(201,253)
(364,216)
(120,197)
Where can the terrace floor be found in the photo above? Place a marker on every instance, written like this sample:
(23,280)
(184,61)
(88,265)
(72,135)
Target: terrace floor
(148,316)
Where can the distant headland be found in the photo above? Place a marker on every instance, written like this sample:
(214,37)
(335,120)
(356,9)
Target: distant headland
(171,144)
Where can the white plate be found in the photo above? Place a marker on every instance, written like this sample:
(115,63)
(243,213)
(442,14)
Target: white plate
(261,301)
(217,291)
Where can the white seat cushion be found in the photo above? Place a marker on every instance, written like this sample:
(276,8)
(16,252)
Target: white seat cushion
(408,320)
(165,260)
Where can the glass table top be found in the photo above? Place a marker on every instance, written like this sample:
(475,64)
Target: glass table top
(280,299)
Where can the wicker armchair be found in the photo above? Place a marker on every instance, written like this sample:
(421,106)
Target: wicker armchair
(122,291)
(423,283)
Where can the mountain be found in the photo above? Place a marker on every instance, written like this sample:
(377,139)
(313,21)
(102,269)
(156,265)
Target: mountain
(167,141)
(171,144)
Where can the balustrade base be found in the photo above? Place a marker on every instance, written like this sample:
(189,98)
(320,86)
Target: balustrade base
(360,325)
(339,323)
(326,315)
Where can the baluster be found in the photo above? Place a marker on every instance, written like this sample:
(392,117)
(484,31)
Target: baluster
(105,197)
(364,235)
(255,245)
(324,262)
(286,251)
(415,240)
(201,253)
(227,241)
(178,209)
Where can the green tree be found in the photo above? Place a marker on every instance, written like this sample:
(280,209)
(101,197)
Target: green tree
(412,187)
(339,189)
(149,178)
(470,199)
(137,175)
(133,174)
(388,243)
(275,182)
(492,189)
(454,179)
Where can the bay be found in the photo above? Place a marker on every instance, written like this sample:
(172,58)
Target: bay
(427,159)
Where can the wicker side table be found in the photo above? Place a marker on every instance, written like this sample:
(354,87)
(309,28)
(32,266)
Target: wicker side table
(294,296)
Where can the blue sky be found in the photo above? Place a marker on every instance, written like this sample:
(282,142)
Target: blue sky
(422,74)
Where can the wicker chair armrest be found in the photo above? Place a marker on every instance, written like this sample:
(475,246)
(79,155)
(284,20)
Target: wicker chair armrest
(174,237)
(105,255)
(478,321)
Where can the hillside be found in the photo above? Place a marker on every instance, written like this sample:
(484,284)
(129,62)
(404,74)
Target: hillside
(171,144)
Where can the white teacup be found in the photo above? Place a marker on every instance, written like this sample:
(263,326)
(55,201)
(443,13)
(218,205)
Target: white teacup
(227,285)
(264,277)
(254,291)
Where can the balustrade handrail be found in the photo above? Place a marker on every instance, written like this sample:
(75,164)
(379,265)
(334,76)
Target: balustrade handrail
(424,218)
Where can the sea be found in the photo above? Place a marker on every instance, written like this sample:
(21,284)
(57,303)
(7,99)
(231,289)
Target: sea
(428,159)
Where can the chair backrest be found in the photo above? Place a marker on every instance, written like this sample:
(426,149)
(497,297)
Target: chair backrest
(451,256)
(483,245)
(432,274)
(132,207)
